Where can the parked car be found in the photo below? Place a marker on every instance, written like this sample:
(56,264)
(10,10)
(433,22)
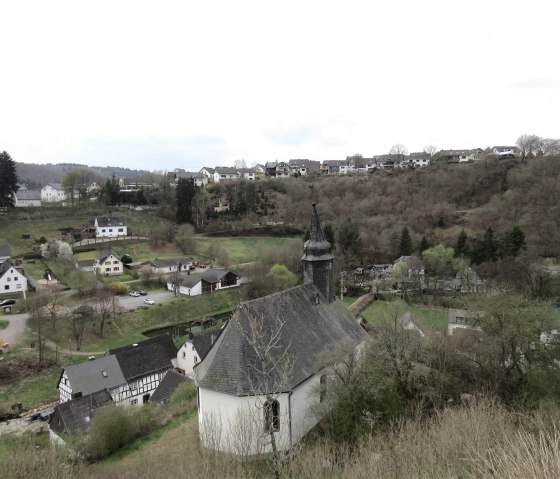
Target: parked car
(149,301)
(134,293)
(7,302)
(143,293)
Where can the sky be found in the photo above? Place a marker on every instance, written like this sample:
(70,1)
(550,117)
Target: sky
(185,84)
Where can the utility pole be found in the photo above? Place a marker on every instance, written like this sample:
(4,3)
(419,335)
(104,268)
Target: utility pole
(342,274)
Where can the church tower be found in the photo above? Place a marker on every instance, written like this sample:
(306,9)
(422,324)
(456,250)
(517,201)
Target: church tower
(317,260)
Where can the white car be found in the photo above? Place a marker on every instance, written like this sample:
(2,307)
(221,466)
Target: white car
(134,293)
(149,301)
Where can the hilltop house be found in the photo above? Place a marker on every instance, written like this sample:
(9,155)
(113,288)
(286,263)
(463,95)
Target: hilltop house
(239,405)
(505,151)
(222,173)
(107,227)
(458,156)
(11,280)
(198,178)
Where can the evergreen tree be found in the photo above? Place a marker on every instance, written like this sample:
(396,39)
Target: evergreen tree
(462,248)
(8,181)
(489,245)
(186,191)
(423,245)
(405,248)
(329,234)
(512,242)
(349,238)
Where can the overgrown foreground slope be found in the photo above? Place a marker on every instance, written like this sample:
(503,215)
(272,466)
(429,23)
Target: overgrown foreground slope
(479,439)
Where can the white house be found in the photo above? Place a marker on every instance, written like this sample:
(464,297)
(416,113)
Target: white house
(194,350)
(5,253)
(248,174)
(239,407)
(107,264)
(505,151)
(202,283)
(27,198)
(11,280)
(458,156)
(207,172)
(52,193)
(167,266)
(222,173)
(199,179)
(107,227)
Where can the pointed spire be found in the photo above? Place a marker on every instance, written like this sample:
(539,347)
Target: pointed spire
(316,247)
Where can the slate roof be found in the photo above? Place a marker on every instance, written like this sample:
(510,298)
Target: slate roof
(166,263)
(316,248)
(104,255)
(209,170)
(74,416)
(311,327)
(203,342)
(212,275)
(5,250)
(28,195)
(190,280)
(225,170)
(5,266)
(105,221)
(153,354)
(167,386)
(88,377)
(85,263)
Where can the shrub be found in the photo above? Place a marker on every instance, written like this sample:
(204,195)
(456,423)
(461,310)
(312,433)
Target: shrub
(184,394)
(119,288)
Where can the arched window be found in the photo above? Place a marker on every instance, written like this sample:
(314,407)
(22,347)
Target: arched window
(271,415)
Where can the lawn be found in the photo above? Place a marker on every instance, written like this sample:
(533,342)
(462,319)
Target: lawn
(4,324)
(380,312)
(37,388)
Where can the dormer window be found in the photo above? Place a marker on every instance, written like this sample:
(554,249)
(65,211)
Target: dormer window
(104,373)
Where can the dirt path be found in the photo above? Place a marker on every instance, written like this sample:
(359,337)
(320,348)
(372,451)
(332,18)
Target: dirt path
(16,327)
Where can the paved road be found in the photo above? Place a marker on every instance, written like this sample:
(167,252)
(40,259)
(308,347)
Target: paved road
(15,329)
(130,302)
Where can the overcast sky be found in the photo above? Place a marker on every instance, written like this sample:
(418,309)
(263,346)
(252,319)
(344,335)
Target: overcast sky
(160,85)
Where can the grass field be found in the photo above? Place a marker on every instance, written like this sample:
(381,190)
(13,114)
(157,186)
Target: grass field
(3,324)
(127,327)
(380,312)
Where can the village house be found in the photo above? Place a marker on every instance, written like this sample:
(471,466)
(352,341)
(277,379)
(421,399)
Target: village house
(203,283)
(167,266)
(11,280)
(468,281)
(248,174)
(53,193)
(28,198)
(506,151)
(224,173)
(239,407)
(222,205)
(458,156)
(277,169)
(135,183)
(199,179)
(107,264)
(108,227)
(194,350)
(304,167)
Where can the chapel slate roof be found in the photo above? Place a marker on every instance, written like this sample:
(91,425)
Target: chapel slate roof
(74,416)
(312,326)
(167,386)
(144,357)
(203,342)
(88,377)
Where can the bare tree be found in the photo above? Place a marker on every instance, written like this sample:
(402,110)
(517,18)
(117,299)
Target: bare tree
(430,149)
(77,320)
(35,308)
(104,306)
(529,145)
(398,149)
(269,371)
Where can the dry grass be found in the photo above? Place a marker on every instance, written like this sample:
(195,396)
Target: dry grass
(477,440)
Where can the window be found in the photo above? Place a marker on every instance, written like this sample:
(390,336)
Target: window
(18,286)
(9,279)
(271,415)
(103,231)
(134,401)
(132,386)
(116,262)
(116,268)
(7,286)
(184,355)
(120,230)
(107,262)
(110,230)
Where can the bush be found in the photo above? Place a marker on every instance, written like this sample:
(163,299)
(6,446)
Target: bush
(111,428)
(119,288)
(184,394)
